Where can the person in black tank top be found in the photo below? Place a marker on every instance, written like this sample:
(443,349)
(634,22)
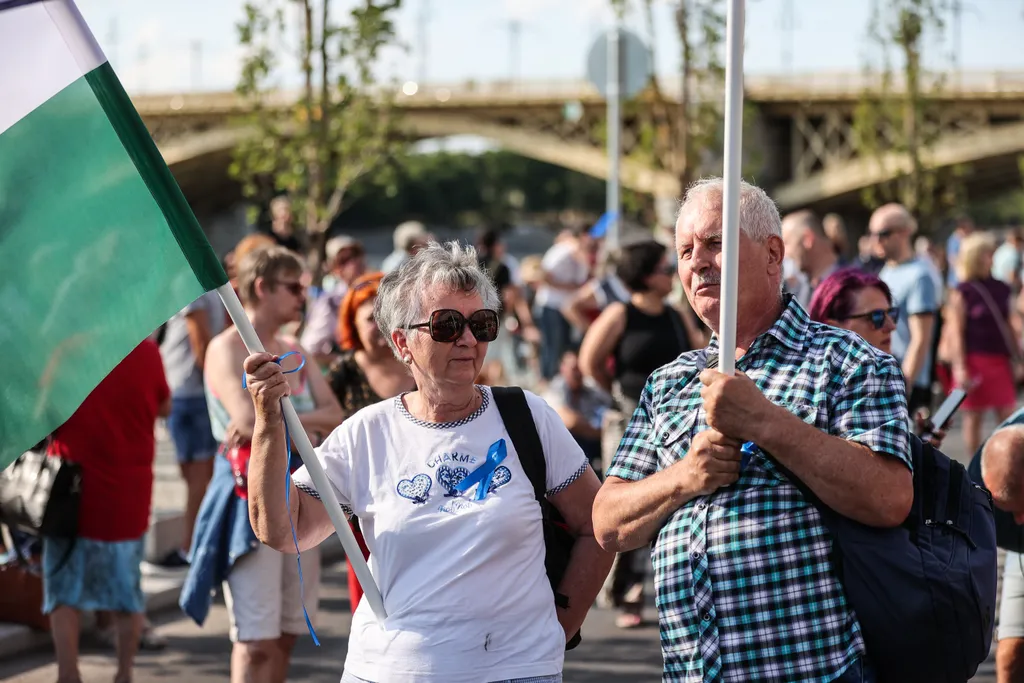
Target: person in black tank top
(626,343)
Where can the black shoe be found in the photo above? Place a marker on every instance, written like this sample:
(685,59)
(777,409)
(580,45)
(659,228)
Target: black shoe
(175,559)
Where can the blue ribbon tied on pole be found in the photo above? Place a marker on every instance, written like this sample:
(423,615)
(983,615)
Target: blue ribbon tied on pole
(483,474)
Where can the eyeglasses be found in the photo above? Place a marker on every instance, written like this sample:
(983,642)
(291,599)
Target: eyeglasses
(296,288)
(878,316)
(446,325)
(883,234)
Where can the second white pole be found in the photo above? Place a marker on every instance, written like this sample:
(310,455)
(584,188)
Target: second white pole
(731,175)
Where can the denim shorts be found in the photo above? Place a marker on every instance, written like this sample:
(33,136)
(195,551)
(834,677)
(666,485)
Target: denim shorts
(189,425)
(97,575)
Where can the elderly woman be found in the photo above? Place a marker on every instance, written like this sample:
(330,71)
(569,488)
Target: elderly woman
(261,585)
(461,570)
(859,301)
(365,373)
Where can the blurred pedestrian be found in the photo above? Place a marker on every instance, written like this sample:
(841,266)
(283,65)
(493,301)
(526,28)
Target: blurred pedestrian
(261,585)
(112,437)
(983,345)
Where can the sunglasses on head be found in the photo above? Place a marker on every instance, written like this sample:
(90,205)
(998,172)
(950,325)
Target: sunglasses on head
(878,316)
(446,325)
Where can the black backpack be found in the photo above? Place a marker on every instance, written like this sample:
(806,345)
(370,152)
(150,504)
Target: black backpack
(558,540)
(924,592)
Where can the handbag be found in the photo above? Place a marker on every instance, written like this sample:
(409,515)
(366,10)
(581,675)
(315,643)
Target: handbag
(40,494)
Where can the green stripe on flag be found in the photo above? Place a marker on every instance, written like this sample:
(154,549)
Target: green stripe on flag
(99,249)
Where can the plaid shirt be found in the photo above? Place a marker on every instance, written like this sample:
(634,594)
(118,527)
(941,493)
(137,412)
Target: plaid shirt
(745,590)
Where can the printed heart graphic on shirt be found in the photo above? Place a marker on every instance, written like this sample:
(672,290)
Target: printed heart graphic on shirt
(415,489)
(449,478)
(502,475)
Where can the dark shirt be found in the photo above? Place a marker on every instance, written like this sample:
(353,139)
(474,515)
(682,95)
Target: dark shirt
(984,331)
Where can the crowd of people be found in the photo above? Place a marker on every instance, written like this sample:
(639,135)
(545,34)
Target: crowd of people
(841,357)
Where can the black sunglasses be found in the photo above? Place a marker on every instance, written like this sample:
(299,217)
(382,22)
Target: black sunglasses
(446,325)
(878,316)
(296,288)
(883,234)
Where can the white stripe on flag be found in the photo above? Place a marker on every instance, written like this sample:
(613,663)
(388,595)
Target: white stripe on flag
(44,48)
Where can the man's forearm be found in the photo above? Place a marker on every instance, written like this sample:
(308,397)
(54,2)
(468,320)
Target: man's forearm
(588,566)
(266,484)
(848,477)
(627,514)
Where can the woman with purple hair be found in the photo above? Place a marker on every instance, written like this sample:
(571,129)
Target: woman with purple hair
(859,301)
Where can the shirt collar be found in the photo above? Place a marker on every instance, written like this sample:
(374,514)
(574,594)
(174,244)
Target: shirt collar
(789,329)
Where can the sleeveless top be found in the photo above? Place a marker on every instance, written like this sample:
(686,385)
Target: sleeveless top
(647,343)
(302,400)
(984,333)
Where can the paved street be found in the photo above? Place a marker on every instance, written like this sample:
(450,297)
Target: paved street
(198,655)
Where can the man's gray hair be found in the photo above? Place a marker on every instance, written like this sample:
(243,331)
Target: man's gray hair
(449,267)
(759,216)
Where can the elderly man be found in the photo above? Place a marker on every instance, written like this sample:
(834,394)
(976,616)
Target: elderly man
(809,247)
(999,463)
(745,588)
(911,280)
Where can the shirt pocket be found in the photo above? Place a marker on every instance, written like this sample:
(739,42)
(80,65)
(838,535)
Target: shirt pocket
(673,433)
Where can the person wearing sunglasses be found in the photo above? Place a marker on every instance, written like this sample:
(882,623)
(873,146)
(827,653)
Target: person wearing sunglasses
(261,586)
(855,300)
(446,509)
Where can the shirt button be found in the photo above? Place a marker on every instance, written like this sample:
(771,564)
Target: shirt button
(706,616)
(701,506)
(695,555)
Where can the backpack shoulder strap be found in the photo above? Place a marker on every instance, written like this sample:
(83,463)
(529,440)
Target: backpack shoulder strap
(515,413)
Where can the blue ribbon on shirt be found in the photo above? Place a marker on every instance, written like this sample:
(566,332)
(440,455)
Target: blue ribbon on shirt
(288,496)
(482,475)
(746,450)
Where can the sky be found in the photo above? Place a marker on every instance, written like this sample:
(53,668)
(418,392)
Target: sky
(189,45)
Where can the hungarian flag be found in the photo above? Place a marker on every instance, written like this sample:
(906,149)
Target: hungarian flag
(99,247)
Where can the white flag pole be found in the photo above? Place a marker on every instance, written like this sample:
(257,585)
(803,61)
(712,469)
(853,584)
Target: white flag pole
(731,189)
(316,471)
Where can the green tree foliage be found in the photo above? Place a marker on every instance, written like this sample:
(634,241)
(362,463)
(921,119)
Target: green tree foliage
(459,190)
(339,130)
(899,119)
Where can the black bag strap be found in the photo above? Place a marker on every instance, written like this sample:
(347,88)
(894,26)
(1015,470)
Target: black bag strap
(515,413)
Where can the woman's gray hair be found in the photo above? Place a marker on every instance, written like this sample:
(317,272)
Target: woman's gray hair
(759,216)
(450,267)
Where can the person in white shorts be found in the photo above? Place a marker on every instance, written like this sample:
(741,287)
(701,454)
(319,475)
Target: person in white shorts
(447,510)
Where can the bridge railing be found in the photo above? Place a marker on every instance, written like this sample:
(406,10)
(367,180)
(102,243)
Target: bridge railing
(760,87)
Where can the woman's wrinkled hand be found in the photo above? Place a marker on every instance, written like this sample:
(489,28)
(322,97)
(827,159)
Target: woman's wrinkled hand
(266,382)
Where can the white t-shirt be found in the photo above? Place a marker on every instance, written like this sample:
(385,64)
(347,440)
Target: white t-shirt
(561,264)
(463,581)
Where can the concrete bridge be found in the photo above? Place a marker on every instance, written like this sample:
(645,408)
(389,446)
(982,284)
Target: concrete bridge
(803,132)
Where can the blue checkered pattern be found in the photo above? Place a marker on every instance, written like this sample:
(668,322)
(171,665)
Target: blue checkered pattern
(745,590)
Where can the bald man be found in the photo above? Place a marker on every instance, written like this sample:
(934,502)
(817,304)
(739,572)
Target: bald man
(1002,470)
(809,247)
(914,293)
